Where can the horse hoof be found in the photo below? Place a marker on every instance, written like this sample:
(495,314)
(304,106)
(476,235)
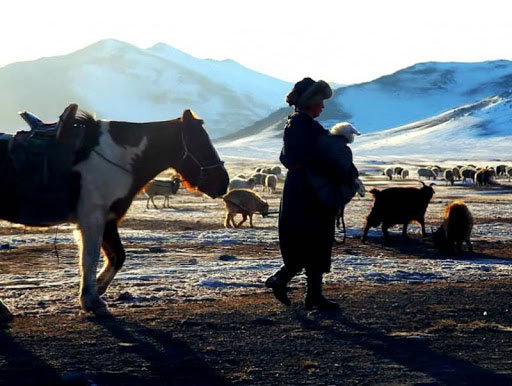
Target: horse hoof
(102,312)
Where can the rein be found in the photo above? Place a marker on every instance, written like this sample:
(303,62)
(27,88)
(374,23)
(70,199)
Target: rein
(111,162)
(202,168)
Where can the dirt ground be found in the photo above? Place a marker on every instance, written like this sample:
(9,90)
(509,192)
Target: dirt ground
(442,332)
(456,333)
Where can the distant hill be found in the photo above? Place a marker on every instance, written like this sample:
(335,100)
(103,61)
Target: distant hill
(479,130)
(408,95)
(119,81)
(416,92)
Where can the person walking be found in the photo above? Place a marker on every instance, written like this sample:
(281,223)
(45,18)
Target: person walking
(306,225)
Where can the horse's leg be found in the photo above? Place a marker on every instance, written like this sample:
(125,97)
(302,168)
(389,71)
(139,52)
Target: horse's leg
(91,226)
(147,202)
(114,256)
(156,207)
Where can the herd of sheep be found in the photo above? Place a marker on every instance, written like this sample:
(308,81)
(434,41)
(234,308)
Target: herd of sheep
(464,173)
(391,206)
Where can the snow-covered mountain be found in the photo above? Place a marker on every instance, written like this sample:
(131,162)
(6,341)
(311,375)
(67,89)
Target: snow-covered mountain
(417,92)
(414,93)
(479,130)
(117,80)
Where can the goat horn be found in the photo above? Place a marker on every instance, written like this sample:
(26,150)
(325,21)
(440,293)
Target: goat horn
(432,184)
(422,182)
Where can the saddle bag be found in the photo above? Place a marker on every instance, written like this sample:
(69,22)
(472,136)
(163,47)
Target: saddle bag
(37,170)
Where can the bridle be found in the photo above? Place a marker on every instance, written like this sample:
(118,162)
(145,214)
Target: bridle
(202,168)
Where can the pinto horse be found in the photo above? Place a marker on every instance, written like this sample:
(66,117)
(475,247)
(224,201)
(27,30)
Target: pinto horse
(114,161)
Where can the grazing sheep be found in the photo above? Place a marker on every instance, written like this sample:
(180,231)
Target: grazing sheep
(259,179)
(456,228)
(456,173)
(270,183)
(394,206)
(484,177)
(448,176)
(436,170)
(405,174)
(245,202)
(397,171)
(509,173)
(389,173)
(467,173)
(501,170)
(426,173)
(240,183)
(276,170)
(164,188)
(242,176)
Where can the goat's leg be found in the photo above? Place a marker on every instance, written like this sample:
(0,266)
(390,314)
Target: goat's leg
(147,202)
(404,231)
(385,231)
(365,232)
(153,202)
(244,218)
(114,256)
(459,246)
(423,231)
(91,227)
(250,220)
(470,247)
(233,224)
(227,220)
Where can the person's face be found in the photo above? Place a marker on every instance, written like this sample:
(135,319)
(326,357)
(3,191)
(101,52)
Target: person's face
(316,109)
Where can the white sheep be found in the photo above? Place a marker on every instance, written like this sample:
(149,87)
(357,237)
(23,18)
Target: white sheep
(345,129)
(240,183)
(162,187)
(270,183)
(259,178)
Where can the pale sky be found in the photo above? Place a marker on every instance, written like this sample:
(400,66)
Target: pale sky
(340,41)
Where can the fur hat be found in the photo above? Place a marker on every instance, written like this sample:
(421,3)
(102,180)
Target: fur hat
(307,92)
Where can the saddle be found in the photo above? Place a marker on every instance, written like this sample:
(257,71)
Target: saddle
(36,168)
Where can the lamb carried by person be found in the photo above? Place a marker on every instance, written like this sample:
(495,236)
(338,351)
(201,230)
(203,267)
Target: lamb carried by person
(337,180)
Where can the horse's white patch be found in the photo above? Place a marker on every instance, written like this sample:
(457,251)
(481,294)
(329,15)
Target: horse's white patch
(103,182)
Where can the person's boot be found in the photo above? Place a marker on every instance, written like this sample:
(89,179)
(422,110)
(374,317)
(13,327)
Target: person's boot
(314,297)
(279,285)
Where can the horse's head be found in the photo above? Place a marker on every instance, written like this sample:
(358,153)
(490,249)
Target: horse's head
(200,166)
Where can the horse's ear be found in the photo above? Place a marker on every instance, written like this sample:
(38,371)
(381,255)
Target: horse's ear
(190,116)
(187,115)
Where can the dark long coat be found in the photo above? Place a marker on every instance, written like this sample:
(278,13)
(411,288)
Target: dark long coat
(306,226)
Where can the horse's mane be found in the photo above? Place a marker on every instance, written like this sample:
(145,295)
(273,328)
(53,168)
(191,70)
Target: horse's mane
(90,132)
(84,118)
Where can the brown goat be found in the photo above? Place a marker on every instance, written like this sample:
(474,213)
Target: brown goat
(394,206)
(456,228)
(245,202)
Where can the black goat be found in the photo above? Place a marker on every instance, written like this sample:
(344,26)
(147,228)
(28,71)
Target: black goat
(398,206)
